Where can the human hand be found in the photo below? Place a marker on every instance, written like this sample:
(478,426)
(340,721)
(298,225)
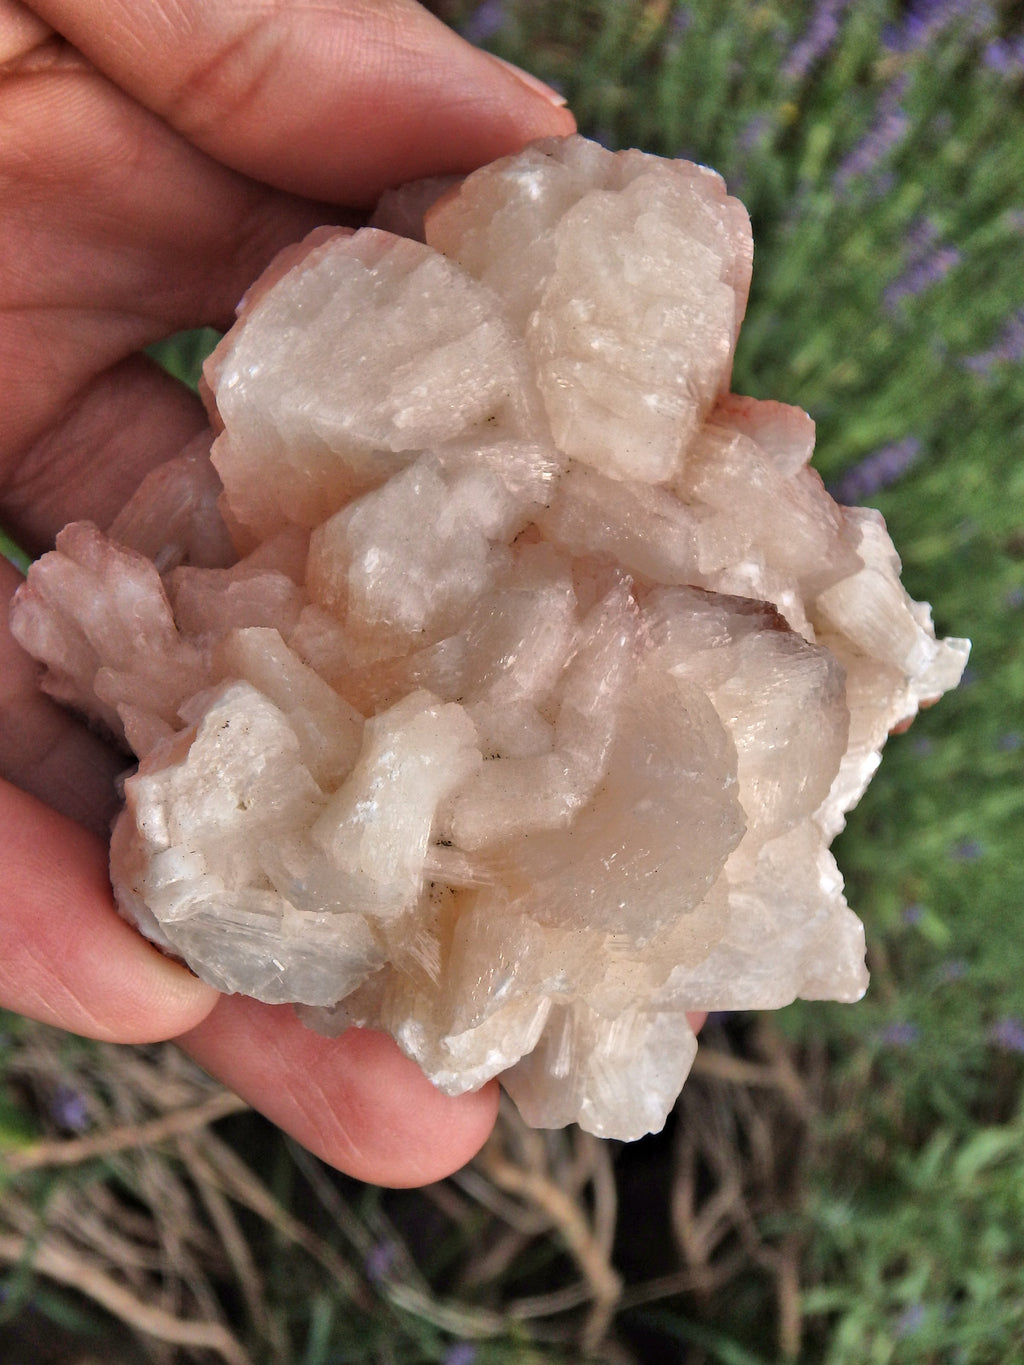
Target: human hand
(153,159)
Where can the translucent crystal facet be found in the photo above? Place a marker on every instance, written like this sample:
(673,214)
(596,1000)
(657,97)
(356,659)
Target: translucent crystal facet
(497,678)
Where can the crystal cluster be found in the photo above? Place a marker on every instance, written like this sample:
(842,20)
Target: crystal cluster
(498,679)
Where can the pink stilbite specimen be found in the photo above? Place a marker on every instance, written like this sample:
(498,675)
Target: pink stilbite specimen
(512,692)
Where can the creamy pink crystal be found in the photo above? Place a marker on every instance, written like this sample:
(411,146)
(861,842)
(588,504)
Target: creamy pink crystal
(511,692)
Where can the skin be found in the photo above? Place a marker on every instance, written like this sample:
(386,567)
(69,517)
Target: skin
(153,159)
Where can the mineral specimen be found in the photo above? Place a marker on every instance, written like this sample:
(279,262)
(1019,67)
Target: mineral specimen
(498,679)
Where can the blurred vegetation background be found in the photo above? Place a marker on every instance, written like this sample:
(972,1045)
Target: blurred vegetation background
(841,1185)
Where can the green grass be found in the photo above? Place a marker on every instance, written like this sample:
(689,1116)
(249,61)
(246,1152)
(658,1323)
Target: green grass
(885,179)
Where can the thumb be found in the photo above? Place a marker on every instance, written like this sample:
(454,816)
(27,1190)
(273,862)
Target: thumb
(334,100)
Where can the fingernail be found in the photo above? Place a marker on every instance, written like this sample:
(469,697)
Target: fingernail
(531,82)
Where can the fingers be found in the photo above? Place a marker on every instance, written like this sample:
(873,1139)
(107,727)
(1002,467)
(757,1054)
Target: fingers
(355,1101)
(66,957)
(348,97)
(21,31)
(90,460)
(42,748)
(335,100)
(161,238)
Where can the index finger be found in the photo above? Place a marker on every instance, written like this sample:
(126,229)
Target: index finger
(335,100)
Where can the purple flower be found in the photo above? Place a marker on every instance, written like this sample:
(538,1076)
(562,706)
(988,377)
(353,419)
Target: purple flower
(1010,742)
(380,1261)
(926,19)
(69,1110)
(900,1034)
(913,914)
(921,235)
(923,746)
(1005,55)
(967,850)
(1008,1034)
(910,1320)
(1008,347)
(921,275)
(486,20)
(884,136)
(753,132)
(880,184)
(954,970)
(879,470)
(461,1353)
(818,37)
(1015,599)
(682,20)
